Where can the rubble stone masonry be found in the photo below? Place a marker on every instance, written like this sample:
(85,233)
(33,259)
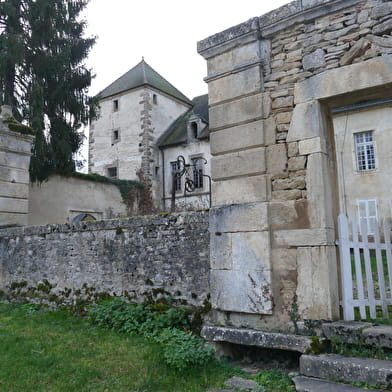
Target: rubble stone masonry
(145,258)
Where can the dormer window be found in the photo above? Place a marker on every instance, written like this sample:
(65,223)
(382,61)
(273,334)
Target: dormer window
(194,128)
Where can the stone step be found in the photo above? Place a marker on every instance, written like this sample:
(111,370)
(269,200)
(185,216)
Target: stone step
(359,332)
(347,369)
(306,384)
(250,337)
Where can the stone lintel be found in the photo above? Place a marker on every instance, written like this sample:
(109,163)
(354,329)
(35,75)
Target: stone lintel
(249,337)
(373,73)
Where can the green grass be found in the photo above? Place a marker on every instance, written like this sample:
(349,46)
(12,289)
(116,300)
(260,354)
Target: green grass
(54,352)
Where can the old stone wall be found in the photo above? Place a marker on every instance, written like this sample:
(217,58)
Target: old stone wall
(145,258)
(272,84)
(15,152)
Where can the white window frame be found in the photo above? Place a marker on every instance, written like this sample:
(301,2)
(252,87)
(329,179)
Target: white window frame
(365,151)
(371,220)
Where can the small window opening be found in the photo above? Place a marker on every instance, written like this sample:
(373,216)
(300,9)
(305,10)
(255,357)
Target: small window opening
(156,170)
(154,99)
(112,172)
(115,136)
(115,105)
(194,129)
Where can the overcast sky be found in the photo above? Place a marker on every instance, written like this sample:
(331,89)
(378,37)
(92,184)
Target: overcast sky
(165,32)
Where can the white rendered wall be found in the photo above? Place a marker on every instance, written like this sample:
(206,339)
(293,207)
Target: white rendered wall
(357,185)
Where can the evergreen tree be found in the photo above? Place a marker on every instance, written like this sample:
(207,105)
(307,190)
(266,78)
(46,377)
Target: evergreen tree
(48,86)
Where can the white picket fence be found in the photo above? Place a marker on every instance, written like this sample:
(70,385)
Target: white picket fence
(366,269)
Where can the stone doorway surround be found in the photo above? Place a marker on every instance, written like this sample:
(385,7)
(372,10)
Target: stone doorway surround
(273,252)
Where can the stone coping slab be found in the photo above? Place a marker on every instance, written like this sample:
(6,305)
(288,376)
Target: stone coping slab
(306,384)
(347,369)
(262,339)
(354,332)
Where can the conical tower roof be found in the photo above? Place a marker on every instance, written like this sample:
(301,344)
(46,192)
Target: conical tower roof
(142,75)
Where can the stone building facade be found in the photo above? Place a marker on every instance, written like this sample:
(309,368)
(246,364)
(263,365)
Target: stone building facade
(141,117)
(273,84)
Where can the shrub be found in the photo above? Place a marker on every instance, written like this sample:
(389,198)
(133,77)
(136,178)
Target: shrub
(165,326)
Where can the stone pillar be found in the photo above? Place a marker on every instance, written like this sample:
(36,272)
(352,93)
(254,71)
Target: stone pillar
(273,255)
(15,152)
(240,236)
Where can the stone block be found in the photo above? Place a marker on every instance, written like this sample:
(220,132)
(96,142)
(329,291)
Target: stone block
(283,118)
(241,110)
(338,368)
(241,163)
(251,251)
(296,163)
(240,190)
(251,337)
(303,237)
(314,60)
(11,219)
(381,10)
(311,146)
(276,159)
(379,335)
(238,138)
(320,193)
(292,194)
(291,214)
(221,251)
(241,384)
(372,73)
(235,85)
(292,149)
(297,182)
(309,384)
(383,28)
(9,174)
(15,142)
(282,102)
(241,291)
(9,189)
(348,331)
(14,205)
(317,287)
(15,160)
(228,60)
(270,131)
(306,122)
(239,218)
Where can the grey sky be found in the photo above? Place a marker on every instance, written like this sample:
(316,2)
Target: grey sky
(165,33)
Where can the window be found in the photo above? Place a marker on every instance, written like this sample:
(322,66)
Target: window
(197,164)
(364,151)
(154,99)
(115,136)
(194,129)
(112,172)
(367,214)
(175,177)
(115,105)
